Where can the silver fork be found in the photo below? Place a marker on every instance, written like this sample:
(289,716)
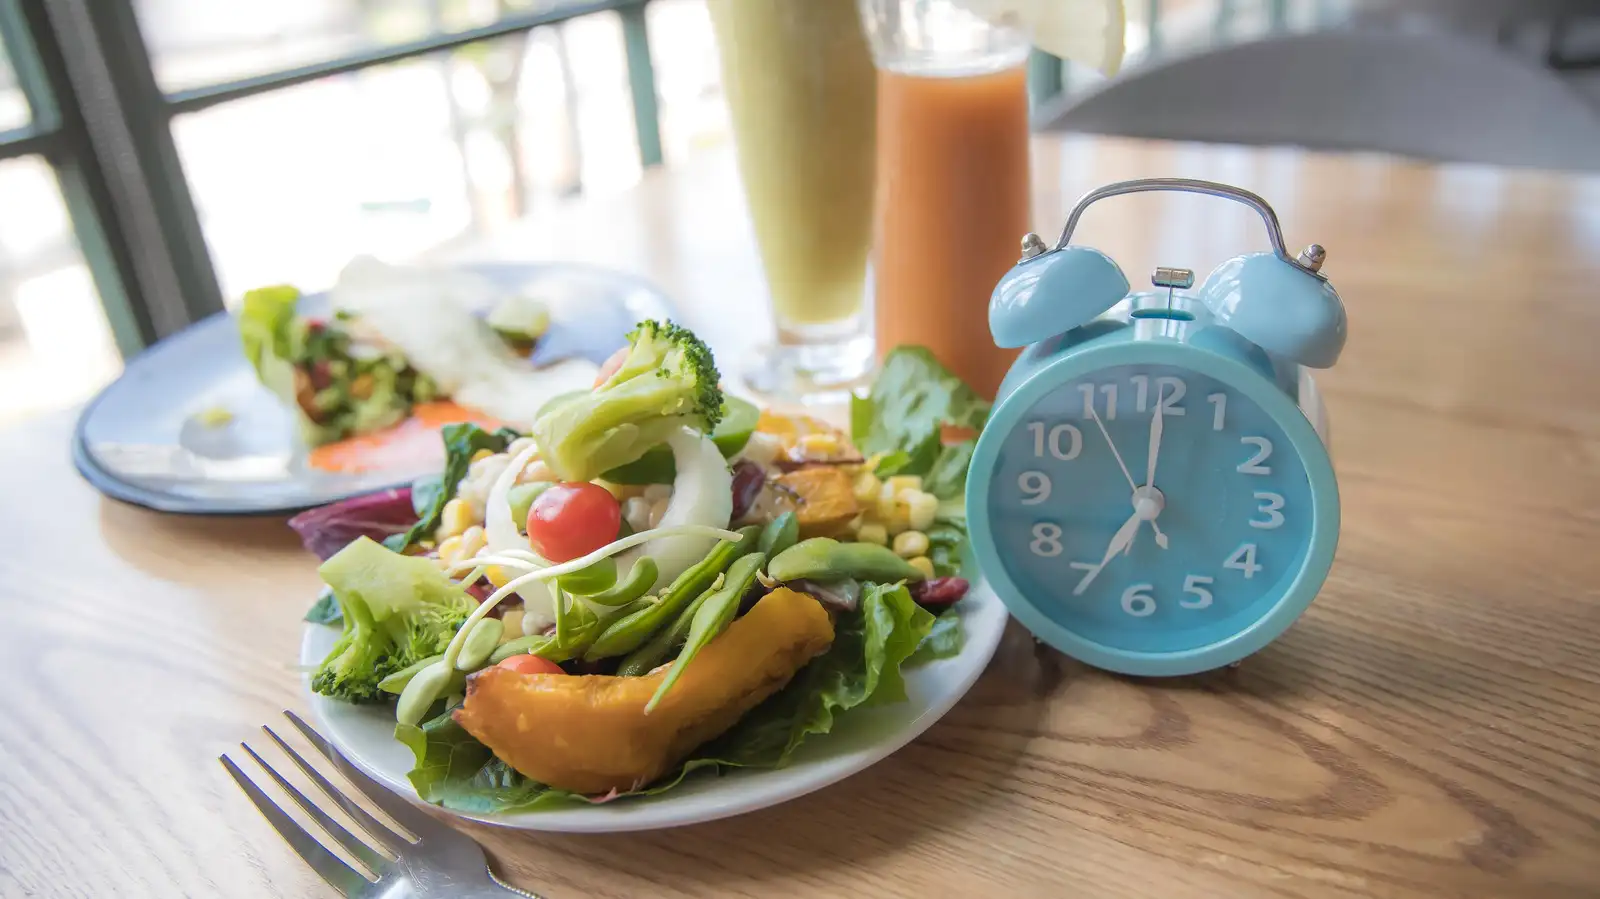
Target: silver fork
(434,861)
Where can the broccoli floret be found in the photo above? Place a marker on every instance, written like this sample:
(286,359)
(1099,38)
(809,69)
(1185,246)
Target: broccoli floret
(667,381)
(397,609)
(363,656)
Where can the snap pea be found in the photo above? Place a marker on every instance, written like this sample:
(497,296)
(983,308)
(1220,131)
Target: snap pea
(422,692)
(484,638)
(655,650)
(549,646)
(628,632)
(826,559)
(596,578)
(396,682)
(639,580)
(712,618)
(780,534)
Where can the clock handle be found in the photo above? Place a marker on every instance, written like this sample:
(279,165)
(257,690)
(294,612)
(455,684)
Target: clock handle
(1309,262)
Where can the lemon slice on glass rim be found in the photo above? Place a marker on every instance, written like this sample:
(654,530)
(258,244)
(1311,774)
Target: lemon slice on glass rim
(1087,32)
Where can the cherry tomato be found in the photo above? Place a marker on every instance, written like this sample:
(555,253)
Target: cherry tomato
(531,664)
(611,366)
(573,519)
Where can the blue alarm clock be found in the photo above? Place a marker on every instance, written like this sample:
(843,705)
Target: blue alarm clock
(1152,493)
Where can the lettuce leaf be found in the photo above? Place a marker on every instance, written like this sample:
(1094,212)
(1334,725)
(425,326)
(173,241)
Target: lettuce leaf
(271,337)
(943,641)
(861,668)
(903,415)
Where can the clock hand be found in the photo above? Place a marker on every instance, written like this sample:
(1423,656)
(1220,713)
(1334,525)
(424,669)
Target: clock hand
(1155,444)
(1114,454)
(1150,468)
(1160,538)
(1120,541)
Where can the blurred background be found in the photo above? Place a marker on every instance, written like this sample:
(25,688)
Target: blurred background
(160,157)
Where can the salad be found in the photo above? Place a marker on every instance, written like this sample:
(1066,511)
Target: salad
(655,579)
(398,338)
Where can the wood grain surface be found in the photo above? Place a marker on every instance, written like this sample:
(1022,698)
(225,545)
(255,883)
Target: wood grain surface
(1431,728)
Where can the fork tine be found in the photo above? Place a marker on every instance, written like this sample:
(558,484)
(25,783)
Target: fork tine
(348,840)
(381,832)
(339,875)
(402,811)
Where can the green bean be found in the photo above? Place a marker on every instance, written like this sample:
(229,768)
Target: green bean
(596,578)
(480,643)
(422,692)
(711,619)
(396,682)
(628,632)
(641,577)
(780,534)
(826,559)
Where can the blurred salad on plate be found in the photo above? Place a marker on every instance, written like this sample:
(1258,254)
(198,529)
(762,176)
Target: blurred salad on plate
(652,578)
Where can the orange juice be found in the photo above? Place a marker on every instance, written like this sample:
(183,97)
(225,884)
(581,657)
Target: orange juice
(952,204)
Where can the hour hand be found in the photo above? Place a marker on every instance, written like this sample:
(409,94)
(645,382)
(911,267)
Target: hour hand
(1120,541)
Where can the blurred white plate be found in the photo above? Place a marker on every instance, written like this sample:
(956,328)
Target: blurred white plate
(142,439)
(860,737)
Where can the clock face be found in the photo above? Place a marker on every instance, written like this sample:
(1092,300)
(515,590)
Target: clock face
(1082,535)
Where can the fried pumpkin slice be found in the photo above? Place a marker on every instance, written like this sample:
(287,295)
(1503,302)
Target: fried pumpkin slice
(590,734)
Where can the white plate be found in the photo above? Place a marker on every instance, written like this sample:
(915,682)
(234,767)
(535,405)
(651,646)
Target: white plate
(860,737)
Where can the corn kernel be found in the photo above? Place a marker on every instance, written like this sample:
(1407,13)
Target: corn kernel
(873,533)
(535,472)
(884,506)
(512,619)
(455,518)
(482,454)
(910,544)
(497,576)
(658,510)
(901,482)
(922,564)
(473,540)
(819,445)
(449,551)
(921,509)
(867,488)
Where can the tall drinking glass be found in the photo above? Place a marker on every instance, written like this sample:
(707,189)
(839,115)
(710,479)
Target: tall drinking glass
(799,81)
(952,179)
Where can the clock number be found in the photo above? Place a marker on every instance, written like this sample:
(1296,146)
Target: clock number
(1036,487)
(1073,437)
(1138,602)
(1244,559)
(1141,399)
(1263,451)
(1220,401)
(1171,390)
(1197,584)
(1110,390)
(1089,570)
(1270,504)
(1046,540)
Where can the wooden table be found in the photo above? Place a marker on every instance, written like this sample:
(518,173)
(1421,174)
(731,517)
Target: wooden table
(1431,728)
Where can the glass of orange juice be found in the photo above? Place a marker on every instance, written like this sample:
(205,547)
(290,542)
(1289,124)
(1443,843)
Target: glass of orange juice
(800,84)
(952,176)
